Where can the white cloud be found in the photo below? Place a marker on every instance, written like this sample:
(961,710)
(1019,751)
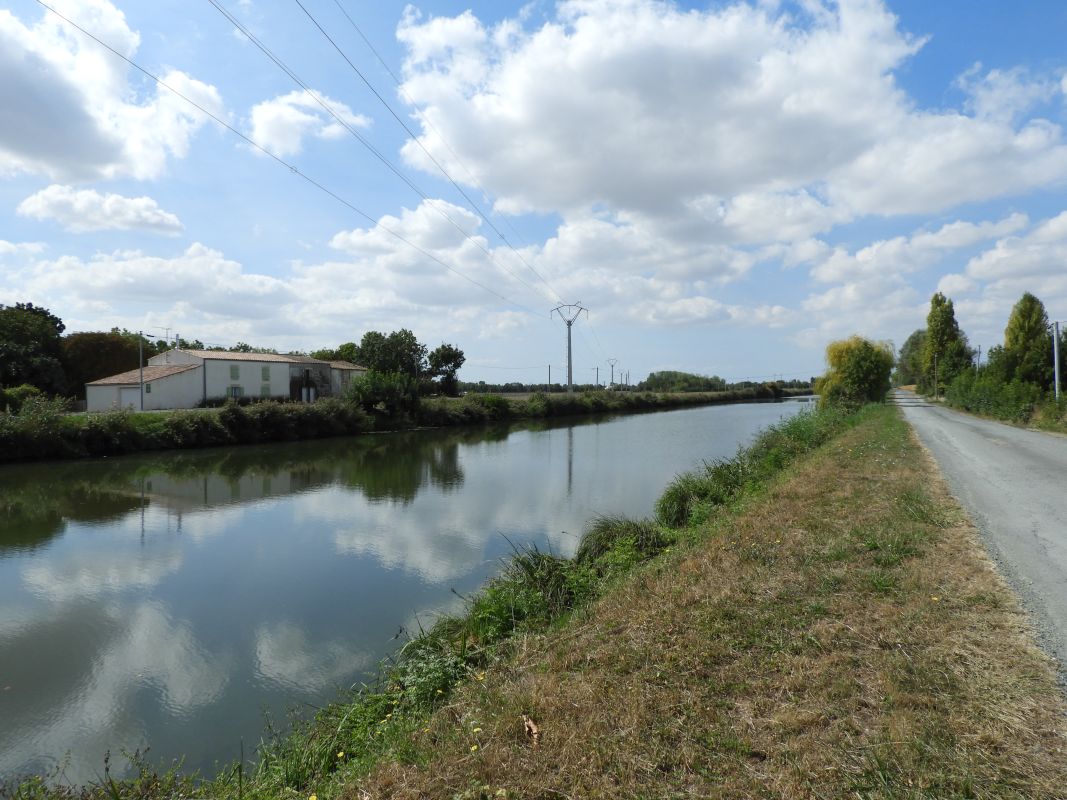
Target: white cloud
(905,254)
(782,123)
(88,576)
(281,124)
(1004,95)
(68,109)
(85,210)
(285,657)
(21,248)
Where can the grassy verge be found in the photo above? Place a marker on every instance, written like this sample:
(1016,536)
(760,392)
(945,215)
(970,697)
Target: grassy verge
(41,429)
(840,635)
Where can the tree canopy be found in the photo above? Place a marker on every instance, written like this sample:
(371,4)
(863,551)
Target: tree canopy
(910,359)
(90,356)
(30,349)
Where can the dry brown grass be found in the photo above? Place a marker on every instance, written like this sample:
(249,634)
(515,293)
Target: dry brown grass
(842,635)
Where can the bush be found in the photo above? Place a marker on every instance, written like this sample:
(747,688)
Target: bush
(36,430)
(859,373)
(110,433)
(985,393)
(194,429)
(13,398)
(386,393)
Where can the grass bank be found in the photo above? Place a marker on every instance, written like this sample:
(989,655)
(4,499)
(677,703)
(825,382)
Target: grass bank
(41,429)
(785,627)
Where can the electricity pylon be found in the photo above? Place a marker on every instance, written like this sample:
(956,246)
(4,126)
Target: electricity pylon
(569,312)
(613,362)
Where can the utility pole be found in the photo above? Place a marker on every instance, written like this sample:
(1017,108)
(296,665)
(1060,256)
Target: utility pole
(1056,357)
(598,377)
(548,388)
(978,363)
(613,362)
(569,312)
(140,364)
(936,387)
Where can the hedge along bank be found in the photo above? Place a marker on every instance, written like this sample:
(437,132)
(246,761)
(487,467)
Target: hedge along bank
(40,428)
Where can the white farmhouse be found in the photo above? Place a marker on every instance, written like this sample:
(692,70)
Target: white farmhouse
(188,378)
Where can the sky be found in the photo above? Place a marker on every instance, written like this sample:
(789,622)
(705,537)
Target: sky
(726,187)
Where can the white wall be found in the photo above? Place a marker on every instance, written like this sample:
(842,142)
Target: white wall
(101,398)
(183,390)
(250,377)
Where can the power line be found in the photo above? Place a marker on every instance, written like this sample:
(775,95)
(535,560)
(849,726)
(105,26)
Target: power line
(359,137)
(418,141)
(291,167)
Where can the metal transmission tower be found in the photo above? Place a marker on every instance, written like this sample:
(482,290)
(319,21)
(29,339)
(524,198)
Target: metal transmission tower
(613,362)
(569,313)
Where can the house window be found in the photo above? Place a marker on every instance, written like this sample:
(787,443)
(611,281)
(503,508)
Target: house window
(235,391)
(264,390)
(235,372)
(266,374)
(148,388)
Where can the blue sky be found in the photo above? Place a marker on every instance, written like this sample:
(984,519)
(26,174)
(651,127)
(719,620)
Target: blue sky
(726,186)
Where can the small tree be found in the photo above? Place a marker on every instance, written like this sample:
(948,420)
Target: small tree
(445,362)
(858,372)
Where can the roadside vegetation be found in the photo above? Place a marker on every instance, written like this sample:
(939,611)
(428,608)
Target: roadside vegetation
(1014,383)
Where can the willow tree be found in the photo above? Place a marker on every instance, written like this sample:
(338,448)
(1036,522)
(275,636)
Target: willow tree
(945,352)
(858,372)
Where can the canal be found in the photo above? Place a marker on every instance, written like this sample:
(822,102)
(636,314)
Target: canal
(172,601)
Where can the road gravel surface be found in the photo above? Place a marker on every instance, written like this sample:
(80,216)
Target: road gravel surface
(1013,483)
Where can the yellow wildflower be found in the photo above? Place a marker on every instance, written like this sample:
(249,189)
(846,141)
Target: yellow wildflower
(313,797)
(474,747)
(477,730)
(341,754)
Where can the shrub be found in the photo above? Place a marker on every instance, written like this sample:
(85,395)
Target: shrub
(985,393)
(388,393)
(109,433)
(859,372)
(493,405)
(36,430)
(194,429)
(13,398)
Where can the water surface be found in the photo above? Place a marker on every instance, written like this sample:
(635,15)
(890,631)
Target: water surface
(169,600)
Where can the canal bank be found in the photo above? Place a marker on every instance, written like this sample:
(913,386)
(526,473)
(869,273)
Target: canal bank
(41,428)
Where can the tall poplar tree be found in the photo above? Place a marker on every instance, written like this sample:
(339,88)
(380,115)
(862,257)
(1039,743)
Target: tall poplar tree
(945,350)
(1028,343)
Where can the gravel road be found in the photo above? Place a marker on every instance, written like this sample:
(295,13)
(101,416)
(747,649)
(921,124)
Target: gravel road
(1013,483)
